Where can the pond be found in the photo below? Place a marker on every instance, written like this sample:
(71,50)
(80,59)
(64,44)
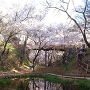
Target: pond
(33,84)
(36,83)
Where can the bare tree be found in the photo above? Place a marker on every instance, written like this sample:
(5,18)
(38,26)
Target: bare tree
(23,53)
(24,14)
(39,38)
(11,26)
(25,17)
(8,33)
(64,7)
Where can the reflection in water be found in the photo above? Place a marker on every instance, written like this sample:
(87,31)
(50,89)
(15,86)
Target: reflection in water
(36,84)
(41,84)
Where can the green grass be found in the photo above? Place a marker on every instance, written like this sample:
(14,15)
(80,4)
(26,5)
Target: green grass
(79,83)
(26,62)
(12,49)
(83,84)
(5,82)
(68,67)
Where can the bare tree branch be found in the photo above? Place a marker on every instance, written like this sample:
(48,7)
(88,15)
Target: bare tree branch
(74,20)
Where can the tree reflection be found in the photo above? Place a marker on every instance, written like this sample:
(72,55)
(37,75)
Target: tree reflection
(38,84)
(41,84)
(23,85)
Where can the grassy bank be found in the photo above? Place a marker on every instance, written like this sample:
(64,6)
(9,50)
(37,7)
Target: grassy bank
(80,84)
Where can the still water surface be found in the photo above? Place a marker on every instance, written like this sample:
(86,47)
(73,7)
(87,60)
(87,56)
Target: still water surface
(35,84)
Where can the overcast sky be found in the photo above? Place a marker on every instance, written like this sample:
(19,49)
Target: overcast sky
(52,17)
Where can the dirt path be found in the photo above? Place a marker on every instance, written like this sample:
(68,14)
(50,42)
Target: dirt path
(54,70)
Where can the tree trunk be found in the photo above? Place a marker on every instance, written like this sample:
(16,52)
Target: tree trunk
(23,54)
(35,59)
(24,47)
(4,48)
(45,57)
(85,39)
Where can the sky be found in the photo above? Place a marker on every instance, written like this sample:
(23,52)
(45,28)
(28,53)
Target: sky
(53,16)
